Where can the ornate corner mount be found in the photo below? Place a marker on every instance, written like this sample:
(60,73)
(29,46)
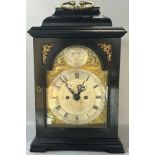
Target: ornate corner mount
(46,47)
(107,49)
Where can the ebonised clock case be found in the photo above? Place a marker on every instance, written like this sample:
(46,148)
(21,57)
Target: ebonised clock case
(86,28)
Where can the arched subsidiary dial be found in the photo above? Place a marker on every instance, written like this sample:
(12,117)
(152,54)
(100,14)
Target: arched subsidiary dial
(76,55)
(76,96)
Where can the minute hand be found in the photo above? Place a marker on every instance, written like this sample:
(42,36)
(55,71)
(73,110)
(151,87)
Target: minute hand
(68,86)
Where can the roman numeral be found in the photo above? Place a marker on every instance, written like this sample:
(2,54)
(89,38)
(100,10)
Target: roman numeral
(98,97)
(57,86)
(95,86)
(66,115)
(55,97)
(65,78)
(76,118)
(77,75)
(95,107)
(88,116)
(58,107)
(87,77)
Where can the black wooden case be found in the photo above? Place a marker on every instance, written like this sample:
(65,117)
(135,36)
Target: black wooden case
(63,29)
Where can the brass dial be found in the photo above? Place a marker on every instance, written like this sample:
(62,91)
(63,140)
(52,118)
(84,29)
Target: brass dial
(77,97)
(76,91)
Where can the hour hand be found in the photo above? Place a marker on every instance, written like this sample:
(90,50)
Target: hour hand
(81,88)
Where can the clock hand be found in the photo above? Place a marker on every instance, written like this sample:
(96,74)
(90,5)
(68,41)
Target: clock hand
(81,88)
(75,96)
(68,86)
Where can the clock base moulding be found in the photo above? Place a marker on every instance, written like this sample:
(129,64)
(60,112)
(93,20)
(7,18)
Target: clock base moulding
(111,145)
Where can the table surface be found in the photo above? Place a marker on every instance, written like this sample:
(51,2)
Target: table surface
(30,133)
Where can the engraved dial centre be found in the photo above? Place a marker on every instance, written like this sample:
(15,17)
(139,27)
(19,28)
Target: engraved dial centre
(76,55)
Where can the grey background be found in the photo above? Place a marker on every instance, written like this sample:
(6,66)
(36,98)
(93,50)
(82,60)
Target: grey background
(118,11)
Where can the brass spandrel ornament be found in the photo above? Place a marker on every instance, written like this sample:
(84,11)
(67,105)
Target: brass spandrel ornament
(46,47)
(107,49)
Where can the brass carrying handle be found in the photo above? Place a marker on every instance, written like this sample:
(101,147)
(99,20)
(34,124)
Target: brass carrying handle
(72,5)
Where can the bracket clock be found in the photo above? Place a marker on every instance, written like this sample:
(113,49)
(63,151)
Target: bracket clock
(77,61)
